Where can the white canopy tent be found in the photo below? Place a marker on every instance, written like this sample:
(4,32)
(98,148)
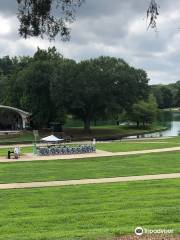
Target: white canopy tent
(51,138)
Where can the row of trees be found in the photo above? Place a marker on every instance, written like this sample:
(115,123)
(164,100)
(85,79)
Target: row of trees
(50,87)
(167,96)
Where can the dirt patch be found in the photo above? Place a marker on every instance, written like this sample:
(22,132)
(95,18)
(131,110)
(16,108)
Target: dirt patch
(149,237)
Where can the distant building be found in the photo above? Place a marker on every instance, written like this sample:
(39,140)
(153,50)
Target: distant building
(13,119)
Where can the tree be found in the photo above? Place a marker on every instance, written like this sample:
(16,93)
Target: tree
(61,87)
(6,65)
(50,55)
(35,88)
(50,87)
(3,88)
(164,96)
(30,86)
(144,112)
(46,17)
(103,86)
(177,98)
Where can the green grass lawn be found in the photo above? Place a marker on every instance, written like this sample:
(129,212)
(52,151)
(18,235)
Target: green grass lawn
(167,140)
(90,168)
(89,212)
(4,151)
(25,136)
(134,146)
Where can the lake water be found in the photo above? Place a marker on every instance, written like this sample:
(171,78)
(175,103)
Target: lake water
(171,120)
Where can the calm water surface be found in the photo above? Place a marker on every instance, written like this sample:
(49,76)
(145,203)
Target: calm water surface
(171,121)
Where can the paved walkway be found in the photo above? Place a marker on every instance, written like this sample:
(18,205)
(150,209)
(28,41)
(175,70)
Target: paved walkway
(88,181)
(99,153)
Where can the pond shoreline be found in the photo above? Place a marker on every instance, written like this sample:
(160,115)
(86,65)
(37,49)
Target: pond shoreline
(108,137)
(139,135)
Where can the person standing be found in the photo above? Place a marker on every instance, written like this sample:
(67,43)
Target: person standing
(17,152)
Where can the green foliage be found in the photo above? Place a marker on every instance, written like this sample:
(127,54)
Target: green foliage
(3,88)
(36,91)
(164,96)
(103,87)
(144,112)
(46,17)
(50,87)
(30,86)
(167,96)
(177,97)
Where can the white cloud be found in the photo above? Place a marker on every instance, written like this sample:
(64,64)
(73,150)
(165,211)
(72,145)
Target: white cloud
(116,28)
(5,27)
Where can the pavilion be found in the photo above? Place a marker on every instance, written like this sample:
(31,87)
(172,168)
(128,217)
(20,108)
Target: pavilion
(13,119)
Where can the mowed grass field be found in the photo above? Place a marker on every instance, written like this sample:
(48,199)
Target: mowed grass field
(89,212)
(136,146)
(101,167)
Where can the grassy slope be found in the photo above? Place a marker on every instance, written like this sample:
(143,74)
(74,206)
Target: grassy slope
(85,212)
(90,168)
(27,136)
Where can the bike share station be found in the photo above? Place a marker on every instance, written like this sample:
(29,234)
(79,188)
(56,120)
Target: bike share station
(56,146)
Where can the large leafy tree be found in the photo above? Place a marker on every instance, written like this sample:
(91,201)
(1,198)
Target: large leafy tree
(34,82)
(30,86)
(61,87)
(104,86)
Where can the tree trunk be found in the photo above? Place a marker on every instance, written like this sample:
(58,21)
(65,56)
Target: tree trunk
(87,124)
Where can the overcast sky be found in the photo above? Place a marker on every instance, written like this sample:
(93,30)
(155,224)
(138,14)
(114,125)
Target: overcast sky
(109,27)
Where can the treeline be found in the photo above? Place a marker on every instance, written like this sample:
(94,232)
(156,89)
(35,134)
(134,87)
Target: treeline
(51,87)
(167,96)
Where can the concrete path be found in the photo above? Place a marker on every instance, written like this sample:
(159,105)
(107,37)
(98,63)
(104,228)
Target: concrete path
(88,181)
(99,153)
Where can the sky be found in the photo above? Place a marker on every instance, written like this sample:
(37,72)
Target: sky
(116,28)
